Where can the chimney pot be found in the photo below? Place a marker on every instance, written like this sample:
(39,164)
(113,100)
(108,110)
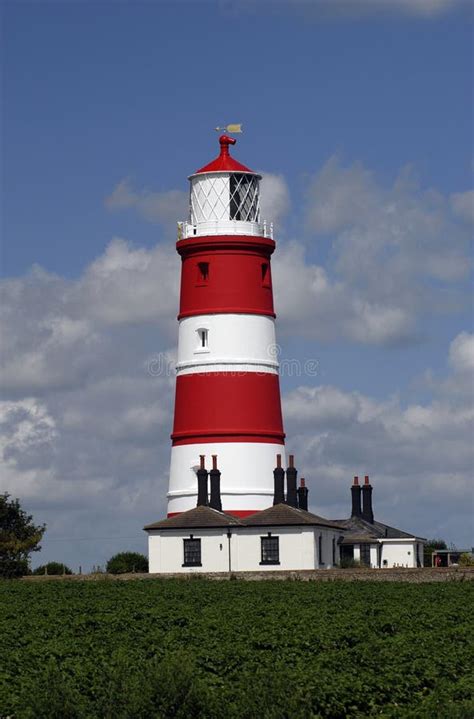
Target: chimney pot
(356,480)
(366,479)
(302,482)
(291,461)
(202,459)
(214,461)
(278,460)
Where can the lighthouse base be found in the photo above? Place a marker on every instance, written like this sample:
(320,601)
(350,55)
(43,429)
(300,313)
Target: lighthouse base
(246,475)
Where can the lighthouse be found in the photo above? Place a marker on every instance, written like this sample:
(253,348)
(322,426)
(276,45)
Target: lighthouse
(227,402)
(232,507)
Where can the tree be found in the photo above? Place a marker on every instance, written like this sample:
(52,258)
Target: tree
(52,569)
(125,562)
(18,537)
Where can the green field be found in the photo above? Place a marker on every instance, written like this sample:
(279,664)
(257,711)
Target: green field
(200,648)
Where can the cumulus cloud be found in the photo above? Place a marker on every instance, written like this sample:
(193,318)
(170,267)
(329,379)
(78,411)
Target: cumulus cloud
(86,365)
(461,354)
(463,204)
(60,334)
(159,207)
(352,9)
(172,206)
(420,456)
(274,197)
(395,255)
(361,8)
(314,305)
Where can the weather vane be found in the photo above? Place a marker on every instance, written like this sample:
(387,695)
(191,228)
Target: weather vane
(234,129)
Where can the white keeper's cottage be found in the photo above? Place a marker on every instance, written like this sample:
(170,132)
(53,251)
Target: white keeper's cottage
(283,537)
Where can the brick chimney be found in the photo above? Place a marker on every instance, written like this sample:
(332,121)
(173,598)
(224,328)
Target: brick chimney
(367,511)
(356,492)
(279,482)
(291,475)
(303,495)
(215,476)
(202,475)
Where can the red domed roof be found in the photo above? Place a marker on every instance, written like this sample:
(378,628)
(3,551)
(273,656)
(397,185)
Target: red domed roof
(224,163)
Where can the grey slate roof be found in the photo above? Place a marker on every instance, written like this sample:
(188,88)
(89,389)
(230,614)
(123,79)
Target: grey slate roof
(197,518)
(284,515)
(280,515)
(358,530)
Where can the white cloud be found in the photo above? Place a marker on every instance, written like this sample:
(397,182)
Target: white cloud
(352,9)
(311,304)
(160,207)
(86,425)
(463,204)
(172,206)
(129,284)
(461,353)
(420,457)
(85,431)
(58,334)
(274,198)
(395,256)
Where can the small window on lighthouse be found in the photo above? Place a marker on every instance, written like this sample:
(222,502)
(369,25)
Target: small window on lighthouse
(266,274)
(202,273)
(203,335)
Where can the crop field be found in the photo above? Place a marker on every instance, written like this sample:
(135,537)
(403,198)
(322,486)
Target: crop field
(223,650)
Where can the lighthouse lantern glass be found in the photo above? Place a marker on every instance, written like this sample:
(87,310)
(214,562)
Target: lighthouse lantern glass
(244,198)
(225,196)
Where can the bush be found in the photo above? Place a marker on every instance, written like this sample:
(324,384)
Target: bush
(350,563)
(466,560)
(126,562)
(52,569)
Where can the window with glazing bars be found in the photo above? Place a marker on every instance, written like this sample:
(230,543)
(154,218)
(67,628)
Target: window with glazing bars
(192,552)
(270,550)
(365,554)
(244,201)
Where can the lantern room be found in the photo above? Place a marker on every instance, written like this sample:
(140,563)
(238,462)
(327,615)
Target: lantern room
(224,199)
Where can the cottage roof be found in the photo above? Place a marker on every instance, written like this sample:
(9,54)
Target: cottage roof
(198,518)
(359,530)
(284,515)
(280,515)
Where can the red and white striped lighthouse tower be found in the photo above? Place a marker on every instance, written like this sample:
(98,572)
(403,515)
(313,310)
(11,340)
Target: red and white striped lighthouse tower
(227,385)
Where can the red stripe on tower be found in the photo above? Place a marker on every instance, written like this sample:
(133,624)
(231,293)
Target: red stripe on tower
(227,388)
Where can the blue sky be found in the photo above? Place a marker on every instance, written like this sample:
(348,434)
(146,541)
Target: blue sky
(360,115)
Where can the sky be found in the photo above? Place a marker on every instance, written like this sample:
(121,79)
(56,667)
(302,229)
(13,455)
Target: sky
(358,113)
